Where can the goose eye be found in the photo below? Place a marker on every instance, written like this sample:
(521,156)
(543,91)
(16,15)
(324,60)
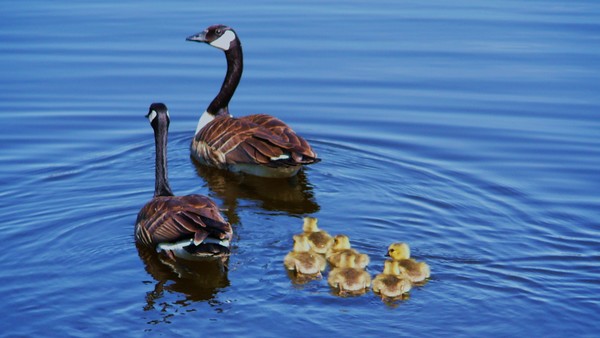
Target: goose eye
(218,31)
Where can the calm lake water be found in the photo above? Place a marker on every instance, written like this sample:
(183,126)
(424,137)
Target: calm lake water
(470,131)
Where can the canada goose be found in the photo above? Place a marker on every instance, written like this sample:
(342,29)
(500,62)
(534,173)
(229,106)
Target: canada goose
(341,246)
(190,226)
(302,260)
(348,278)
(416,271)
(320,241)
(260,144)
(393,282)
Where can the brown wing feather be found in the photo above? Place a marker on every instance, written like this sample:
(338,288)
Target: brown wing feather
(174,218)
(253,139)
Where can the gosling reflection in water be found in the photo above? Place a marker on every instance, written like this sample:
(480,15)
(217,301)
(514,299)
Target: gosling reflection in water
(291,195)
(198,280)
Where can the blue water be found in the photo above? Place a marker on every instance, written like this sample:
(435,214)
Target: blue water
(469,130)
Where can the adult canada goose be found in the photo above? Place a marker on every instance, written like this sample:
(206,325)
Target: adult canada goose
(260,144)
(189,226)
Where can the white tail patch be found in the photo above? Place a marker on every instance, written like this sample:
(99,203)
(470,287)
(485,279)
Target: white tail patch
(178,248)
(280,157)
(224,42)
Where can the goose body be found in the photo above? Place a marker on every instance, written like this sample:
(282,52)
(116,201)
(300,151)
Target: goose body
(320,241)
(348,278)
(302,260)
(260,145)
(190,226)
(393,282)
(416,271)
(341,247)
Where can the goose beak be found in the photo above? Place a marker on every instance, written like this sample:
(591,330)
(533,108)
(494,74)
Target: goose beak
(200,37)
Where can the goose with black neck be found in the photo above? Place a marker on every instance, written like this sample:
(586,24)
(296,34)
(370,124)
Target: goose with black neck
(259,144)
(190,226)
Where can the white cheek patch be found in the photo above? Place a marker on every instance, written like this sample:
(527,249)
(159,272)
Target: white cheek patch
(152,116)
(224,42)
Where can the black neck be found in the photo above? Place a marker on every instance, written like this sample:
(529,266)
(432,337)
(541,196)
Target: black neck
(235,66)
(161,185)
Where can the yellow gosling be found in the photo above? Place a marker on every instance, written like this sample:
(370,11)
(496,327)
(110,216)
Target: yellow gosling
(348,279)
(320,241)
(341,245)
(416,271)
(302,260)
(393,282)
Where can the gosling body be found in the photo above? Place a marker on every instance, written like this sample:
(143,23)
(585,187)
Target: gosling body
(302,260)
(416,271)
(348,278)
(320,241)
(393,282)
(341,246)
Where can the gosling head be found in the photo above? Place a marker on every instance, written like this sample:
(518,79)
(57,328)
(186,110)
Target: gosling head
(310,224)
(341,242)
(399,251)
(218,36)
(301,243)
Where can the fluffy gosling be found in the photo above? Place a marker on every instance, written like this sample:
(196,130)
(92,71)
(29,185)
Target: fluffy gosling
(416,271)
(393,282)
(341,246)
(348,279)
(320,241)
(302,260)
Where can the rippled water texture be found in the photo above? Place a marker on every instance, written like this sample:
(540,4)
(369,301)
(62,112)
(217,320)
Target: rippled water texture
(470,131)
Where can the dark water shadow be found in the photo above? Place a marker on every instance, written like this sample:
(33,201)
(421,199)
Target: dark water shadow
(197,280)
(290,195)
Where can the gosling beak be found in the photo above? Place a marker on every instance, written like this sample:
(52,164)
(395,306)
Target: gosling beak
(200,37)
(387,254)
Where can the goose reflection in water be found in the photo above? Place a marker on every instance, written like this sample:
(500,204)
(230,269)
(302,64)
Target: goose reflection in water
(292,195)
(198,280)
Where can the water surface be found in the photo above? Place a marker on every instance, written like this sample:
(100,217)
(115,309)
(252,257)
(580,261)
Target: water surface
(470,131)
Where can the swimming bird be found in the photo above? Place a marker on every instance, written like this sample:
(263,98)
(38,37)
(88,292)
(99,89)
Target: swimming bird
(416,271)
(320,241)
(260,144)
(348,278)
(190,226)
(302,260)
(341,246)
(393,282)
